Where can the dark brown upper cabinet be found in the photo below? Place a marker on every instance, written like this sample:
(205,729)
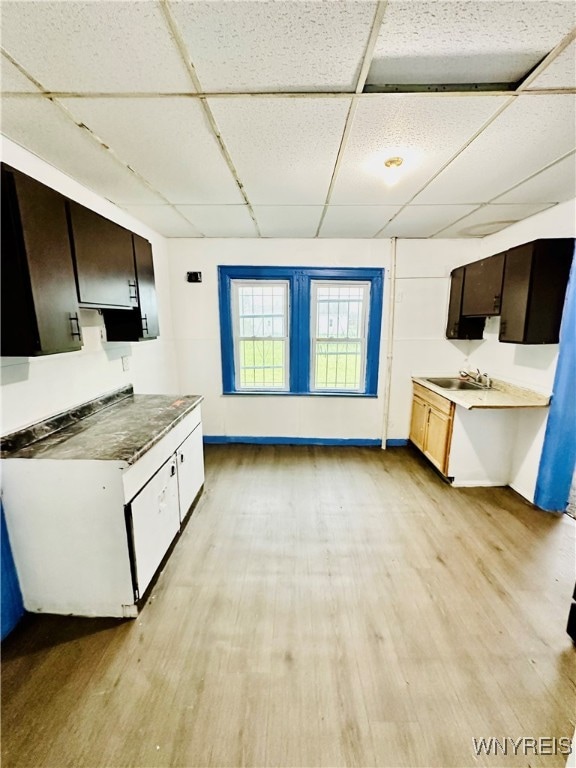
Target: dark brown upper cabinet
(142,322)
(482,293)
(459,327)
(104,260)
(39,303)
(535,280)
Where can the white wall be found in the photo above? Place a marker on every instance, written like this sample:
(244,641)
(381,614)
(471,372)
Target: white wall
(422,290)
(197,329)
(35,388)
(422,284)
(421,305)
(186,358)
(533,366)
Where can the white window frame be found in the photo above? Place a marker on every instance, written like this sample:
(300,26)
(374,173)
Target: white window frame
(363,338)
(237,337)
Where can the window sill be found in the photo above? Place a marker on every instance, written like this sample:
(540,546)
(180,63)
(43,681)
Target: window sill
(265,392)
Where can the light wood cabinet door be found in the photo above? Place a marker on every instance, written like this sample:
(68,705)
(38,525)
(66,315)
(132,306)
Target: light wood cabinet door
(437,442)
(431,425)
(418,422)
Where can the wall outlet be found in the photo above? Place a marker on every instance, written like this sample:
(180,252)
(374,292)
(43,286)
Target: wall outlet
(125,363)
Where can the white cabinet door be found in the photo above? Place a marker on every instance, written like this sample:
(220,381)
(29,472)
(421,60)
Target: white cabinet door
(155,522)
(190,458)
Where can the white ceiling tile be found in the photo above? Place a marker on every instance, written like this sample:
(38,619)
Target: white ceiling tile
(94,46)
(466,41)
(288,220)
(491,218)
(553,185)
(12,80)
(164,219)
(424,130)
(284,150)
(165,139)
(530,134)
(276,46)
(424,220)
(356,220)
(561,73)
(220,220)
(41,127)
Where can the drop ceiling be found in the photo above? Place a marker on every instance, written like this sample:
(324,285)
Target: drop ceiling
(232,118)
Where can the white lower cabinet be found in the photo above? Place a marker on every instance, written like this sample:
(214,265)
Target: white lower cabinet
(88,535)
(190,463)
(153,518)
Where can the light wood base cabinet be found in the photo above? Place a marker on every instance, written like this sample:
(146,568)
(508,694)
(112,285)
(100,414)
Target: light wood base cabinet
(431,426)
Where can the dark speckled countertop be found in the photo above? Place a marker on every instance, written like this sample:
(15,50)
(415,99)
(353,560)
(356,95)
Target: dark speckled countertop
(118,427)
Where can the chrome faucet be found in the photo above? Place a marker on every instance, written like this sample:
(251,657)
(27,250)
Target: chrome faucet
(482,379)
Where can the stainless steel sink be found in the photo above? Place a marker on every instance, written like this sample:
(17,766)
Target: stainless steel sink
(455,384)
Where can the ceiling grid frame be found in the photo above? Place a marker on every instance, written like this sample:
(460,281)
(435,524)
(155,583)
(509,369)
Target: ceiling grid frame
(449,162)
(181,45)
(368,54)
(523,89)
(545,63)
(494,200)
(289,95)
(93,136)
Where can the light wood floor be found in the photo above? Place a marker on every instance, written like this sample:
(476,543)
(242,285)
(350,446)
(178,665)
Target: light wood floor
(324,607)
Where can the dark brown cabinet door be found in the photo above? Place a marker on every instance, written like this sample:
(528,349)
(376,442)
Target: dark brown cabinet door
(142,322)
(459,327)
(483,287)
(39,303)
(535,280)
(104,260)
(146,287)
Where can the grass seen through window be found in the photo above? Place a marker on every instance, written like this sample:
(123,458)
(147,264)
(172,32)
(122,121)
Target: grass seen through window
(262,363)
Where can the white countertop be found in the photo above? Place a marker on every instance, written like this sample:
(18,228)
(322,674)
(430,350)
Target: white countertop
(500,395)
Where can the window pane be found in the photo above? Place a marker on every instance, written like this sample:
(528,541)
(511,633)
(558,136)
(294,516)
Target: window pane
(337,365)
(265,307)
(261,334)
(339,322)
(263,363)
(339,312)
(247,326)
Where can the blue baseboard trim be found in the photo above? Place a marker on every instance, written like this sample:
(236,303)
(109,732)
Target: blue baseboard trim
(351,441)
(395,443)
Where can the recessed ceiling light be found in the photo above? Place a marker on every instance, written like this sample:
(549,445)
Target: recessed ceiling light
(392,170)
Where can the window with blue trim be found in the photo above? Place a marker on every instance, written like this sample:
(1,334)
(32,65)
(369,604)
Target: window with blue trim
(300,330)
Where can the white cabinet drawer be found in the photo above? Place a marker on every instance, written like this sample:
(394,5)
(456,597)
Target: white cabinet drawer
(155,521)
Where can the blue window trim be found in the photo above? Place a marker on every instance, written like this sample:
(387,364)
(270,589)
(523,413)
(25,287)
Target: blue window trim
(299,279)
